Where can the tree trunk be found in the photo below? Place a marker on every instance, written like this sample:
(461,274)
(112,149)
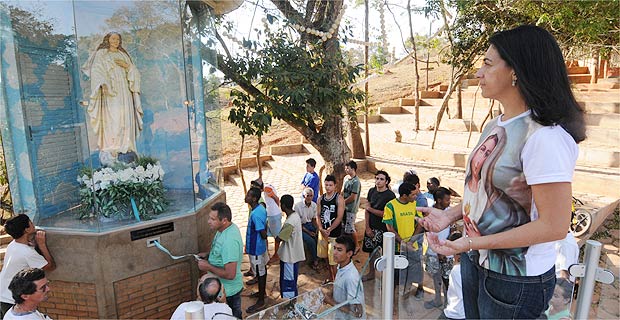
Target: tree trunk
(354,136)
(239,170)
(487,117)
(444,106)
(366,40)
(417,74)
(333,150)
(594,66)
(258,162)
(459,101)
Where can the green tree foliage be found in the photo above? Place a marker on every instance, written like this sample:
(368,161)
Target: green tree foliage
(296,78)
(593,24)
(425,45)
(378,58)
(573,23)
(577,23)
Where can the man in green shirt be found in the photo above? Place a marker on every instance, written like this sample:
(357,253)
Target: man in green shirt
(226,255)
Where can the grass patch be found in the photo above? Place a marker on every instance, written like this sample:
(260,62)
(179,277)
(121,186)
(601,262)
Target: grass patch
(613,222)
(600,235)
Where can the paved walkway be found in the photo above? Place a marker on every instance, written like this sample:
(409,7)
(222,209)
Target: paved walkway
(286,172)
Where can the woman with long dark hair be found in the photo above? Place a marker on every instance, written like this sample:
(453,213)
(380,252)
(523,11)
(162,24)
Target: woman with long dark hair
(508,271)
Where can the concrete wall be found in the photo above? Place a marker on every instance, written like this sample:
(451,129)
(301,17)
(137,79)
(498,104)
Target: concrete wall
(103,262)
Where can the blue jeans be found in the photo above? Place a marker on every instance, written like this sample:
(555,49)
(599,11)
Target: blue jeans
(234,302)
(310,242)
(491,295)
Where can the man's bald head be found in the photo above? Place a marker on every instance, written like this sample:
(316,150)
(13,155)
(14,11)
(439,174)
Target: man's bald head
(210,289)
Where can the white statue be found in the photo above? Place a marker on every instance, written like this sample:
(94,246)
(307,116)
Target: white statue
(115,110)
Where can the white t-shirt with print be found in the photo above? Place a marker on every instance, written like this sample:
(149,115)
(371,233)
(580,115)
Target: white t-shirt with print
(526,153)
(549,156)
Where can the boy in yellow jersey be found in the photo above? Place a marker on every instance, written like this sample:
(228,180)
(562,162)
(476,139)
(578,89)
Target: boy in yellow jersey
(399,217)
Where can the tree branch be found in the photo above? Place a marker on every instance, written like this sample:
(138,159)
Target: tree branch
(288,11)
(219,38)
(244,83)
(320,12)
(310,5)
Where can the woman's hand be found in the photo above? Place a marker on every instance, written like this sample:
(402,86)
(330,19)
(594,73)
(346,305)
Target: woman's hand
(121,63)
(471,229)
(434,219)
(447,247)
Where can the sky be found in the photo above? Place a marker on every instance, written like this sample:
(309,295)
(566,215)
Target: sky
(94,13)
(244,23)
(91,19)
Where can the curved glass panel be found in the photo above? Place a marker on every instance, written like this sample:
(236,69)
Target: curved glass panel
(202,93)
(106,105)
(48,130)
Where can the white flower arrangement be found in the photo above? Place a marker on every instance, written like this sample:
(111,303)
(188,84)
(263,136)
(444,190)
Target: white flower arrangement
(106,177)
(109,191)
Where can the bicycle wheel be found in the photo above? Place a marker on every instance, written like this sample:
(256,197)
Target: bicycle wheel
(581,223)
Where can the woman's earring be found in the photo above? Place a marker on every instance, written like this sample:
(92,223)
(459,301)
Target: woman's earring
(514,82)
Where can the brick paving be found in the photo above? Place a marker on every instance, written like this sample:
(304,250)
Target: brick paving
(285,173)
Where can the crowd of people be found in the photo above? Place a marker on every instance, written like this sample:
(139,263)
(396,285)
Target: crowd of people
(320,228)
(322,232)
(515,207)
(515,210)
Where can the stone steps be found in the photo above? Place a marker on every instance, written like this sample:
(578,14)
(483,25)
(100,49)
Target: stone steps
(601,114)
(595,92)
(579,78)
(453,176)
(609,83)
(600,149)
(2,253)
(597,138)
(601,102)
(5,239)
(611,136)
(603,95)
(407,105)
(578,70)
(612,107)
(597,170)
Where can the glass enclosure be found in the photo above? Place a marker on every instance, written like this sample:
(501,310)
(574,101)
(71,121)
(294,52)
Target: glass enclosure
(109,110)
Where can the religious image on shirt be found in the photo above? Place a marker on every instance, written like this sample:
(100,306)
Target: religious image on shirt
(489,208)
(326,215)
